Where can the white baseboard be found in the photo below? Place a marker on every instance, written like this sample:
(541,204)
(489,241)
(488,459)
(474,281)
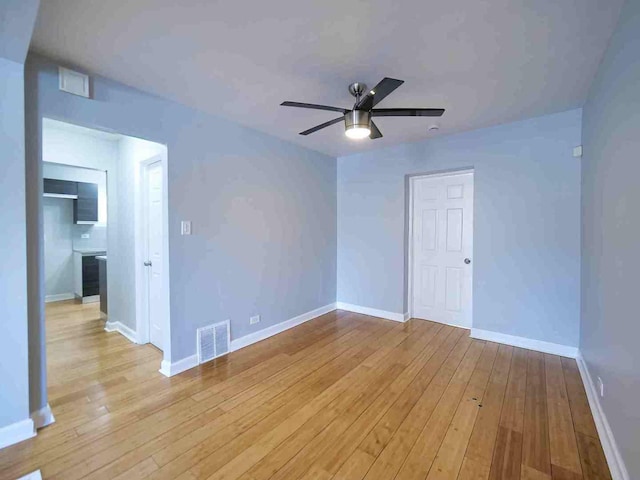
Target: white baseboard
(122,329)
(32,476)
(523,342)
(59,297)
(91,299)
(609,445)
(265,333)
(16,432)
(372,312)
(407,316)
(169,369)
(43,417)
(173,368)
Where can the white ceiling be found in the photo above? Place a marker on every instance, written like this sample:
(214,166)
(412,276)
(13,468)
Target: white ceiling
(485,61)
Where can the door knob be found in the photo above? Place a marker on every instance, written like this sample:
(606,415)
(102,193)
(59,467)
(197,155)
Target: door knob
(147,263)
(467,261)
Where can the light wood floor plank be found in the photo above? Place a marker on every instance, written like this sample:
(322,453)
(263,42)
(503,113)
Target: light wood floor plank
(343,396)
(507,457)
(536,458)
(565,460)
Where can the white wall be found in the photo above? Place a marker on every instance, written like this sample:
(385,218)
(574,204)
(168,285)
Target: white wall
(14,393)
(58,247)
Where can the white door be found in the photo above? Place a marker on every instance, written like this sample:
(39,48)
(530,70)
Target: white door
(442,244)
(154,234)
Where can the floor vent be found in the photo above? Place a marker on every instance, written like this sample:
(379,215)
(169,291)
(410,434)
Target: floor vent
(213,341)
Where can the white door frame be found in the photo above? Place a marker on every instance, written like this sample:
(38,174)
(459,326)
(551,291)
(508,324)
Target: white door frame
(412,180)
(142,293)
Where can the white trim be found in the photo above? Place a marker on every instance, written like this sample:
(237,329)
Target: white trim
(43,417)
(409,246)
(60,195)
(169,369)
(59,297)
(122,329)
(372,312)
(407,316)
(32,476)
(255,337)
(16,432)
(523,342)
(611,451)
(90,299)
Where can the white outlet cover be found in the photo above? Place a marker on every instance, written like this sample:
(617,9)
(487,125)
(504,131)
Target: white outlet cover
(185,227)
(254,320)
(85,235)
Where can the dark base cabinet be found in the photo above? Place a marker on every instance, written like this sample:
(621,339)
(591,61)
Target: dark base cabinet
(90,276)
(102,267)
(86,273)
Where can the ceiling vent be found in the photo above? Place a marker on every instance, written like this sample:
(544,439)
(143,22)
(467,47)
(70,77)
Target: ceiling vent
(213,341)
(73,82)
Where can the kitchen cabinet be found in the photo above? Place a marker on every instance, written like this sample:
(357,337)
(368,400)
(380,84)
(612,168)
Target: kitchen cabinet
(102,269)
(83,194)
(60,188)
(87,275)
(85,207)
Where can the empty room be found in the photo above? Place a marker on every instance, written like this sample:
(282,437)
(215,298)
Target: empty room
(319,240)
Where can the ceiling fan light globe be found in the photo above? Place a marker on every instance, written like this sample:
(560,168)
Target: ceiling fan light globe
(357,133)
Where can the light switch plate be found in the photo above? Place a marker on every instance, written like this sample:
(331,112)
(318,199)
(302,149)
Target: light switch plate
(185,227)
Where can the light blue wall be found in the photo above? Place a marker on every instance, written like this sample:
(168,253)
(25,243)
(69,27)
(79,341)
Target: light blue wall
(17,18)
(526,226)
(263,210)
(58,246)
(611,233)
(14,381)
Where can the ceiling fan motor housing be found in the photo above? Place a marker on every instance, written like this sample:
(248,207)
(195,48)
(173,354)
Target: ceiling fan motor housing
(357,119)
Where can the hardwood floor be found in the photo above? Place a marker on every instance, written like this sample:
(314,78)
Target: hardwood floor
(344,396)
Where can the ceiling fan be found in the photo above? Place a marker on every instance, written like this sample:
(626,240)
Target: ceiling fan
(358,121)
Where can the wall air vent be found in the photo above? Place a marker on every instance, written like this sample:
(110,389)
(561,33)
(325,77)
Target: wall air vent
(213,341)
(73,82)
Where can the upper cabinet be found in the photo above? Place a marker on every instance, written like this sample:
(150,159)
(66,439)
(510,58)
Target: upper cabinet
(85,207)
(60,188)
(84,195)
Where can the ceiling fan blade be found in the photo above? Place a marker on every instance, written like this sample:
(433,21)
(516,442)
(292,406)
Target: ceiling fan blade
(375,132)
(314,106)
(407,112)
(322,125)
(378,93)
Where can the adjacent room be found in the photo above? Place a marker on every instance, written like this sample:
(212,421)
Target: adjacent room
(291,240)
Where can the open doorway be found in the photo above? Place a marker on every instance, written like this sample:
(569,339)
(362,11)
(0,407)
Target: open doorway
(97,234)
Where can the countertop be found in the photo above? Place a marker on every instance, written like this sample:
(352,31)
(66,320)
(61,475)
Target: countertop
(101,257)
(90,251)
